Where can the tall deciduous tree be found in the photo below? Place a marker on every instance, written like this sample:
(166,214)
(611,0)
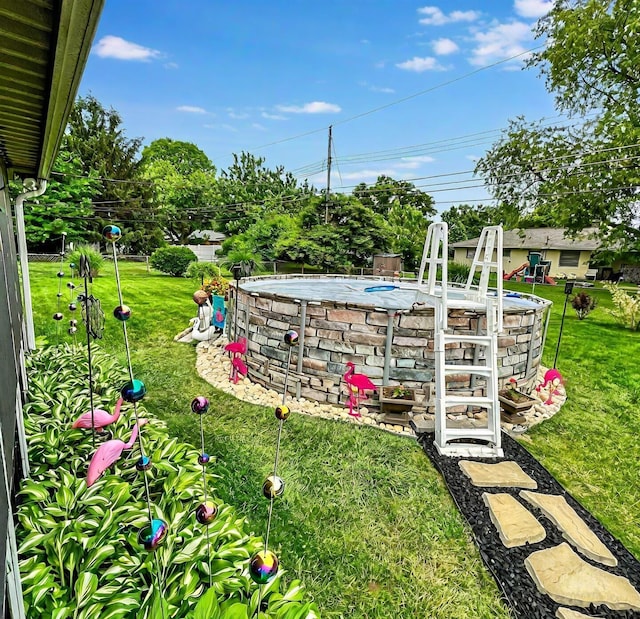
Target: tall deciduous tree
(589,174)
(185,187)
(466,221)
(96,137)
(248,190)
(63,208)
(407,210)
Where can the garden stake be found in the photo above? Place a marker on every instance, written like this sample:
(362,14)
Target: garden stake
(207,510)
(568,289)
(264,565)
(85,273)
(152,536)
(58,316)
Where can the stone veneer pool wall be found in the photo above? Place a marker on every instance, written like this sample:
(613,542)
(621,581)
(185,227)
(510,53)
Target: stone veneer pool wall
(335,333)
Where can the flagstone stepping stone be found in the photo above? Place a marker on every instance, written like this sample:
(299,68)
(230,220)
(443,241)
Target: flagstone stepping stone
(516,525)
(506,474)
(567,613)
(562,575)
(574,529)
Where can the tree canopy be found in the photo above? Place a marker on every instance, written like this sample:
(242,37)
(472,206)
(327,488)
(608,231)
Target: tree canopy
(586,173)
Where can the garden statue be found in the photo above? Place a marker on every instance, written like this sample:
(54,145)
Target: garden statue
(202,327)
(549,386)
(357,384)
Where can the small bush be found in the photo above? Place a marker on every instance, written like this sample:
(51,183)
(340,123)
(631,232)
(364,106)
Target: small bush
(627,307)
(202,270)
(583,304)
(93,255)
(173,260)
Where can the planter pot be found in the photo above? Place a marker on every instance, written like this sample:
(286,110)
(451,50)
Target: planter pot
(510,407)
(396,409)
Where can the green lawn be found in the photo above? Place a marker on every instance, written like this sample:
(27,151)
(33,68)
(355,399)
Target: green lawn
(366,521)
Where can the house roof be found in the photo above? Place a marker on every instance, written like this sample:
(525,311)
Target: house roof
(44,46)
(542,238)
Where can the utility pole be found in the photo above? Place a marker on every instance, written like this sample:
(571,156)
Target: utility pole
(326,195)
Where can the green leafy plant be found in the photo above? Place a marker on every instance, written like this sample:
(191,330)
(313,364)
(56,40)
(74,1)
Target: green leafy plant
(95,258)
(202,270)
(627,307)
(401,393)
(511,392)
(583,303)
(457,272)
(79,554)
(173,260)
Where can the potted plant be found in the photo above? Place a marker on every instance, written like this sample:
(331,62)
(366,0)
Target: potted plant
(514,402)
(397,401)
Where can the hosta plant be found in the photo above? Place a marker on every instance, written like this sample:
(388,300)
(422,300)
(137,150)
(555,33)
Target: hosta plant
(79,553)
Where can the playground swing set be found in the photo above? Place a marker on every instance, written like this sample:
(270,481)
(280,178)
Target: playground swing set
(534,271)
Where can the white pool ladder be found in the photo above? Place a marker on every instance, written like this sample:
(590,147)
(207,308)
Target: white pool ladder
(435,254)
(476,441)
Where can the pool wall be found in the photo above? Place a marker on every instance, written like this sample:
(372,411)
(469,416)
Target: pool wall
(336,332)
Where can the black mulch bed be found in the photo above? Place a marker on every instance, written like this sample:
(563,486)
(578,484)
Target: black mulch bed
(507,564)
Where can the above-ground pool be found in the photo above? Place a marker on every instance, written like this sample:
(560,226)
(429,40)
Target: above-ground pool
(385,327)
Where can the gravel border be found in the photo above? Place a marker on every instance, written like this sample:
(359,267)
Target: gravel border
(507,564)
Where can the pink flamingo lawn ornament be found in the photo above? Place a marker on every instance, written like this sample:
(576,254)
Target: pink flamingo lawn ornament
(357,384)
(108,453)
(236,350)
(552,380)
(101,418)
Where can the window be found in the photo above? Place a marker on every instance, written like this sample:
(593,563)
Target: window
(569,258)
(471,253)
(506,253)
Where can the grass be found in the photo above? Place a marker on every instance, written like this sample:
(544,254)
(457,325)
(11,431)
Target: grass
(365,520)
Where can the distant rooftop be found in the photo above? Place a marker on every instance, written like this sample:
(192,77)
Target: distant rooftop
(542,238)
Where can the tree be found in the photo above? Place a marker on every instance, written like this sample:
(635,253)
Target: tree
(466,221)
(96,137)
(588,174)
(406,209)
(247,190)
(65,207)
(184,187)
(185,157)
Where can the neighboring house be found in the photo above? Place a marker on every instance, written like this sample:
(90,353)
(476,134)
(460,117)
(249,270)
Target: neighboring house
(209,242)
(43,47)
(568,257)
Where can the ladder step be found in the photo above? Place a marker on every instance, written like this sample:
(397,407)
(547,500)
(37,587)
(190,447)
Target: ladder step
(469,400)
(481,263)
(481,370)
(468,433)
(457,337)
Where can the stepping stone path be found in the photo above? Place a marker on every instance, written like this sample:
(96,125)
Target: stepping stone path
(527,539)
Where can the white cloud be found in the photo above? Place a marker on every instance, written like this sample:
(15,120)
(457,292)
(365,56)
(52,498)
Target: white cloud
(171,65)
(259,127)
(411,163)
(383,89)
(532,8)
(314,107)
(222,126)
(501,41)
(435,16)
(419,65)
(116,47)
(442,47)
(191,109)
(237,115)
(273,116)
(473,158)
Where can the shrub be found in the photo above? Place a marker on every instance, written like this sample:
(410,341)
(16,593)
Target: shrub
(78,547)
(173,260)
(627,307)
(458,272)
(202,270)
(93,255)
(583,304)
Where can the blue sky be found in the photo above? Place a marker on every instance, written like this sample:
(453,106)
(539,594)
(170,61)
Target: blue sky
(232,76)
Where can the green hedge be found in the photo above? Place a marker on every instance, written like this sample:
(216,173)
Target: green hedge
(79,554)
(173,260)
